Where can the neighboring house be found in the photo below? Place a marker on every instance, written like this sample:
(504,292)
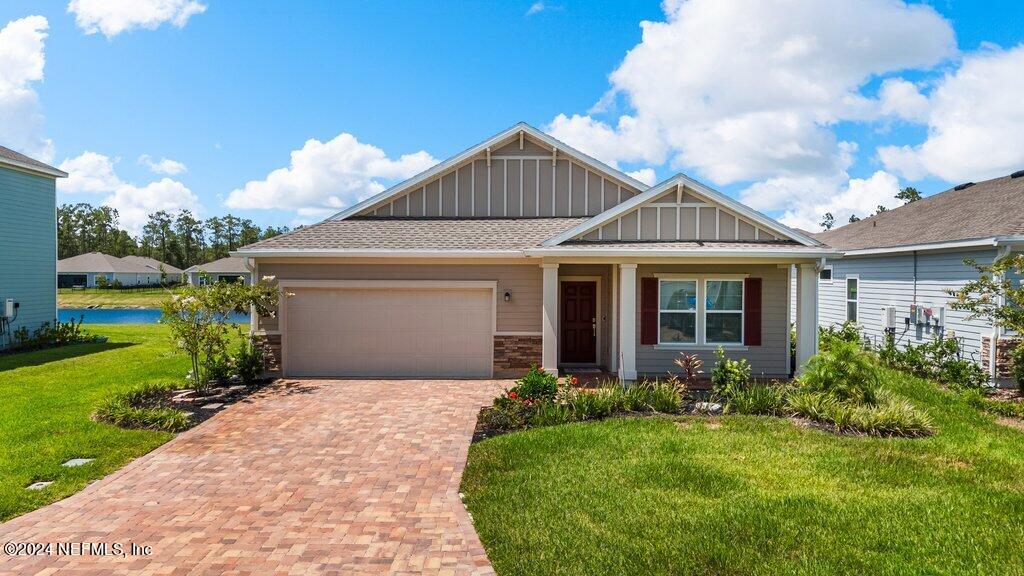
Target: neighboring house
(522,250)
(28,243)
(228,269)
(910,256)
(85,269)
(171,274)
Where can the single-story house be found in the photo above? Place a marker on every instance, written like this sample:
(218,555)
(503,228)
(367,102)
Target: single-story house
(228,269)
(28,243)
(897,267)
(522,250)
(84,269)
(170,274)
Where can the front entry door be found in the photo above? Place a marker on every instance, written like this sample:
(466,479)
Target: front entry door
(579,322)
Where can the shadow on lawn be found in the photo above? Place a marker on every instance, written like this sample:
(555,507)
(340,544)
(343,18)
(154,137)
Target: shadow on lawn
(47,355)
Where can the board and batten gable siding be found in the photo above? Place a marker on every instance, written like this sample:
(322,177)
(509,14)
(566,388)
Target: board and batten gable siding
(516,184)
(522,314)
(767,360)
(889,280)
(28,247)
(680,215)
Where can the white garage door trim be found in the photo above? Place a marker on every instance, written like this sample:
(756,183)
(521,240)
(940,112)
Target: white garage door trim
(285,285)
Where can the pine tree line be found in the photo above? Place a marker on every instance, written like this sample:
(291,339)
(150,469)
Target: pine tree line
(179,239)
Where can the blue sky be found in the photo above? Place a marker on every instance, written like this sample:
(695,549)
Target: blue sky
(232,89)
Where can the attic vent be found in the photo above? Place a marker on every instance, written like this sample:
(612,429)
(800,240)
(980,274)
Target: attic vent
(1017,174)
(964,186)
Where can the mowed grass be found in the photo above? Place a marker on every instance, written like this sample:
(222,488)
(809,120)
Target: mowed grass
(47,397)
(753,495)
(146,298)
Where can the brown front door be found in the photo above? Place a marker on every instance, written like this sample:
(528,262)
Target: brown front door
(579,322)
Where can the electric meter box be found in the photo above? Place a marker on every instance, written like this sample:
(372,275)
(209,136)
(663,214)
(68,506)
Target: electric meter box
(889,317)
(8,308)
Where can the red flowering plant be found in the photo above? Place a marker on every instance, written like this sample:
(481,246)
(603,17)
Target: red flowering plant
(536,385)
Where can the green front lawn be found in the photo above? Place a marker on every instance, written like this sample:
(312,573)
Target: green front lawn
(47,397)
(111,298)
(753,495)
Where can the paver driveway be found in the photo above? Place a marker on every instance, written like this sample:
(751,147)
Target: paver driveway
(309,477)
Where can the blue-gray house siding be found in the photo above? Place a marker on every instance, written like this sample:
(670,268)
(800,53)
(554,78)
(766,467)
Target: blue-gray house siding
(890,280)
(28,247)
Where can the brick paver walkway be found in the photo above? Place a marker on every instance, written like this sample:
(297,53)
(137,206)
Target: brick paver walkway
(309,477)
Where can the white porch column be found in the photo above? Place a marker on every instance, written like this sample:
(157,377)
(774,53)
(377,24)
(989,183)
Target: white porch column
(549,354)
(627,322)
(806,314)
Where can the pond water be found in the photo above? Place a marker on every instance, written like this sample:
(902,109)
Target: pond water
(124,315)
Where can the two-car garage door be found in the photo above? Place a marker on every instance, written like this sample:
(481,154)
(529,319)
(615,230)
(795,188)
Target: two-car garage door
(389,332)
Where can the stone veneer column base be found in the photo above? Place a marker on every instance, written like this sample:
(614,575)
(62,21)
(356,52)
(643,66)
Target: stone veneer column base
(514,355)
(271,353)
(1004,364)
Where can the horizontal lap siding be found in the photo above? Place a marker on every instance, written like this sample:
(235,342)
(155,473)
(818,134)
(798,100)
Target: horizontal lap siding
(524,282)
(28,244)
(768,360)
(889,280)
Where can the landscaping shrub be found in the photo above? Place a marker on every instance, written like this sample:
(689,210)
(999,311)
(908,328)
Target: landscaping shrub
(50,334)
(690,369)
(765,399)
(597,403)
(889,415)
(941,359)
(728,375)
(844,370)
(829,336)
(139,408)
(249,361)
(664,397)
(1017,357)
(551,414)
(536,385)
(218,368)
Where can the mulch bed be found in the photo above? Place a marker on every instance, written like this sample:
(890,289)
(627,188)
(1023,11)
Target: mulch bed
(188,401)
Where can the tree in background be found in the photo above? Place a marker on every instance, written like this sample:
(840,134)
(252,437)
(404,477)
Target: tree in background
(908,195)
(880,209)
(179,239)
(828,221)
(854,218)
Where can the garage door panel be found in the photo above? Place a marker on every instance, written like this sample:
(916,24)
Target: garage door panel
(390,333)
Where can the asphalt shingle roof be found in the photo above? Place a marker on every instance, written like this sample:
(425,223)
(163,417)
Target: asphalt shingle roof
(19,158)
(433,234)
(100,262)
(152,263)
(229,265)
(990,208)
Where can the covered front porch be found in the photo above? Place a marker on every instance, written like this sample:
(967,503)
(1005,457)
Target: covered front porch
(633,318)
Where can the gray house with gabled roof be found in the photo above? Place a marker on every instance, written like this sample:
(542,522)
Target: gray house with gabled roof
(897,267)
(522,250)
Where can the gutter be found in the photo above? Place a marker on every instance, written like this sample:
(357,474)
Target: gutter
(810,252)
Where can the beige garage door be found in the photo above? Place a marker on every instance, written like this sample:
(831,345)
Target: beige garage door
(389,333)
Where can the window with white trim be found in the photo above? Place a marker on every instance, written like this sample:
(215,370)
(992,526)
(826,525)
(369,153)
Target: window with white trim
(723,311)
(852,290)
(825,276)
(677,311)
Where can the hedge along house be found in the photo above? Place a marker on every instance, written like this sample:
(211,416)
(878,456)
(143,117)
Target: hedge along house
(898,267)
(28,243)
(522,250)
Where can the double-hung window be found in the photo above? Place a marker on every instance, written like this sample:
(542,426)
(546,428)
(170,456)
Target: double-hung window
(723,315)
(677,311)
(852,285)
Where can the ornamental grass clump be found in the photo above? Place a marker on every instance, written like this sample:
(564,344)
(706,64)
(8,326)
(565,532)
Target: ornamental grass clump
(140,408)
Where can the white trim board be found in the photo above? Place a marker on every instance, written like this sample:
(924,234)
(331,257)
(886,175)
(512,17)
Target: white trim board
(699,189)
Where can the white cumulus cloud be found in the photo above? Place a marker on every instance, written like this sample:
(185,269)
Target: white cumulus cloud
(749,90)
(809,197)
(92,172)
(22,58)
(975,122)
(112,17)
(324,177)
(163,165)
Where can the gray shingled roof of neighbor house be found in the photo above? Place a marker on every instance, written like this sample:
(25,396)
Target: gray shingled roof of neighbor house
(986,209)
(100,262)
(153,263)
(438,234)
(229,265)
(10,157)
